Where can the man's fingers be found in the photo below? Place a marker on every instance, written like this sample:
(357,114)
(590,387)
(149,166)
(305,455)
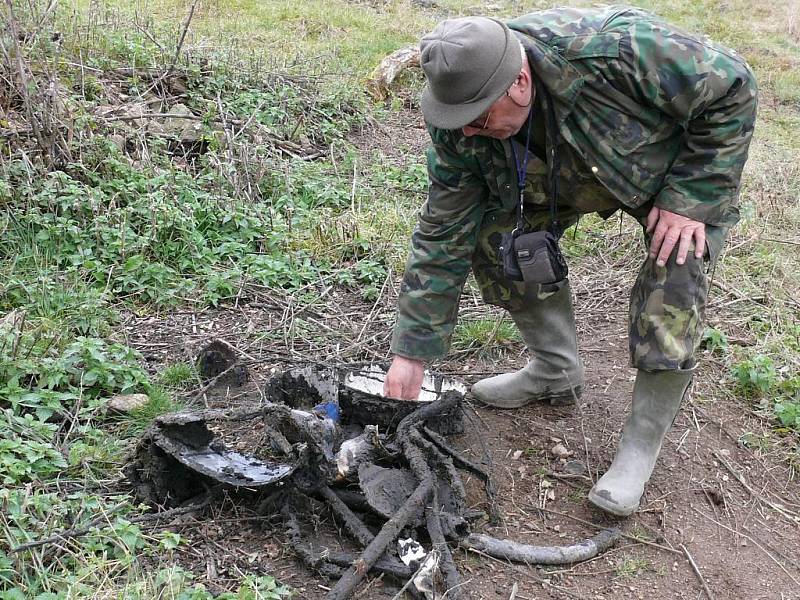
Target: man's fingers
(390,388)
(684,246)
(700,242)
(658,238)
(652,218)
(404,378)
(670,239)
(669,229)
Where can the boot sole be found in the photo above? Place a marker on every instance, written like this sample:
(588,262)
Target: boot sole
(610,507)
(565,398)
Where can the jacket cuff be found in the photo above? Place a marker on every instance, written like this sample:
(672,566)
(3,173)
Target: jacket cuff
(721,213)
(419,344)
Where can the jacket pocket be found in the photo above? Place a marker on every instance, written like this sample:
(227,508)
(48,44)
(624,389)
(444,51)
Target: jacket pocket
(587,45)
(622,120)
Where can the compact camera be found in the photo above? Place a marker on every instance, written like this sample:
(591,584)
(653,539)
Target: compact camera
(533,257)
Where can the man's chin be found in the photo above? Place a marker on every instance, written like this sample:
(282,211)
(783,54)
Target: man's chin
(498,134)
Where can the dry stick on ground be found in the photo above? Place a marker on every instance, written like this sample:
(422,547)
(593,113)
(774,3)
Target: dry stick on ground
(759,546)
(414,505)
(792,516)
(697,572)
(391,567)
(345,586)
(623,534)
(195,394)
(287,146)
(464,463)
(414,444)
(408,583)
(305,552)
(438,542)
(351,522)
(526,573)
(543,555)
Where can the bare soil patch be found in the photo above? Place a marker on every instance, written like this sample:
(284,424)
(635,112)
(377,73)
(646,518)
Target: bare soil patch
(744,545)
(722,492)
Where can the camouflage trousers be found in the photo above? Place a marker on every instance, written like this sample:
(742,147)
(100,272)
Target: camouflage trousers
(667,304)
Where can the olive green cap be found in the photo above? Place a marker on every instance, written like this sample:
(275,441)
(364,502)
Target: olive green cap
(469,62)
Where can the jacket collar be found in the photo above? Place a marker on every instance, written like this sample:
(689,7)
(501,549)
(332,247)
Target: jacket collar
(561,79)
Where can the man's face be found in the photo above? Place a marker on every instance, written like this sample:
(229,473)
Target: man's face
(507,115)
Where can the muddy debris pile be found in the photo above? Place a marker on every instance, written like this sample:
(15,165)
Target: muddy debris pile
(382,467)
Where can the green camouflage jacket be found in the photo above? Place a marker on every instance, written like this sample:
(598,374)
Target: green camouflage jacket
(658,113)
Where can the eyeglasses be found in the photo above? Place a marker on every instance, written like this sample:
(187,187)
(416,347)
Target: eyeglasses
(480,123)
(476,124)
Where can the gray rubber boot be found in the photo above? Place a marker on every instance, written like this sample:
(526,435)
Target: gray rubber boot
(555,372)
(657,397)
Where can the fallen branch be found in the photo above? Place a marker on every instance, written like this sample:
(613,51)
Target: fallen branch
(345,586)
(389,69)
(389,566)
(446,563)
(542,555)
(464,463)
(312,560)
(351,522)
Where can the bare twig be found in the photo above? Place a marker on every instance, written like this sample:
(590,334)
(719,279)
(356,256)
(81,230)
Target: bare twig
(697,572)
(345,586)
(353,524)
(179,47)
(791,515)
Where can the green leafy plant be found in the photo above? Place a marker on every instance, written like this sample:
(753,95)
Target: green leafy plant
(755,376)
(26,452)
(714,340)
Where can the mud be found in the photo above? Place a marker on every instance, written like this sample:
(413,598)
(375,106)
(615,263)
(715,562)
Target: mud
(386,489)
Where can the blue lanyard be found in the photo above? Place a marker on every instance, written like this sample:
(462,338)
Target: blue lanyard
(522,171)
(553,167)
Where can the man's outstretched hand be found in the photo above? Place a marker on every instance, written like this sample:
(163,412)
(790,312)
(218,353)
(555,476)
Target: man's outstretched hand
(669,229)
(404,378)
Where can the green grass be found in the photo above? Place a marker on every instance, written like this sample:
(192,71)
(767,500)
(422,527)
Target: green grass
(483,333)
(161,401)
(147,230)
(178,375)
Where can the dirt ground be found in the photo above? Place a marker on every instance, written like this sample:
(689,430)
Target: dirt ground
(722,509)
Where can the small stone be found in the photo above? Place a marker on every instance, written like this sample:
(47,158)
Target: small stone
(219,357)
(575,467)
(182,126)
(724,452)
(126,403)
(559,451)
(516,455)
(13,320)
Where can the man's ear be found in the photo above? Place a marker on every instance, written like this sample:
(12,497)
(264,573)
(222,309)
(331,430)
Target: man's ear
(522,85)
